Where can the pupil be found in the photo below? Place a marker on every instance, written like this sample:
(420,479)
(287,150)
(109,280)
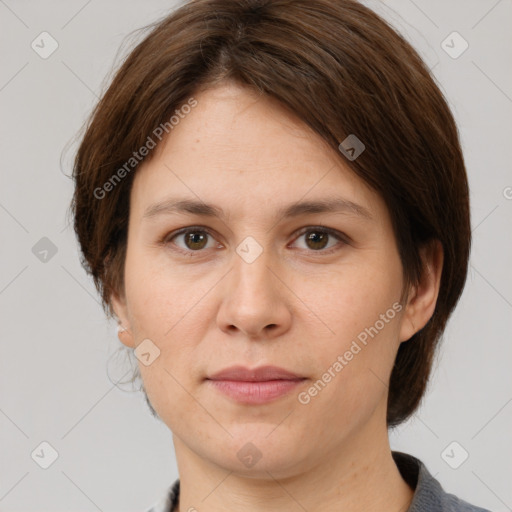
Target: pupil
(313,237)
(194,238)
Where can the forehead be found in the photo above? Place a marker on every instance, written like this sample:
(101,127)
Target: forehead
(244,131)
(237,146)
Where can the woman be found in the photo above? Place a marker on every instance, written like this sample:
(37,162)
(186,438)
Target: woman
(272,200)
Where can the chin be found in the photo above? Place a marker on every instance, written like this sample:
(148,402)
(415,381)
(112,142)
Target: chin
(255,456)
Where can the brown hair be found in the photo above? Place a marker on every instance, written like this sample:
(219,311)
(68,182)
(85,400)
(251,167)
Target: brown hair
(342,70)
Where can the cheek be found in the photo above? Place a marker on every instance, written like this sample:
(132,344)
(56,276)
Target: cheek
(165,309)
(162,308)
(160,296)
(354,356)
(353,298)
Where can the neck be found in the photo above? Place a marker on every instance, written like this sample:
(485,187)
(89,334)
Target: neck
(360,476)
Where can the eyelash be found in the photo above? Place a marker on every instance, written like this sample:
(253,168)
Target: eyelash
(166,240)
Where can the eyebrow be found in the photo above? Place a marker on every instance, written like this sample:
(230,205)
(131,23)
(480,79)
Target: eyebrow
(331,205)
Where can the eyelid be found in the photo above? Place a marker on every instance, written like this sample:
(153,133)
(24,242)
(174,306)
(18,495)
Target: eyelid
(331,231)
(340,236)
(166,239)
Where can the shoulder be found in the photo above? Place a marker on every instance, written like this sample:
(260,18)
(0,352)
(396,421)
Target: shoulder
(429,495)
(452,503)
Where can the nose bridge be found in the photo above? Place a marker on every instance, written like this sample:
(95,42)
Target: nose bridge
(251,267)
(252,302)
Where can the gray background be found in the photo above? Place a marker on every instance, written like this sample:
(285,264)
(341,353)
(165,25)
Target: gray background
(55,341)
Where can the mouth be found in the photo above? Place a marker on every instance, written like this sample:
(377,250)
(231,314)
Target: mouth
(254,386)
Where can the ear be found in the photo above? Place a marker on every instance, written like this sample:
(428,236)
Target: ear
(124,332)
(422,298)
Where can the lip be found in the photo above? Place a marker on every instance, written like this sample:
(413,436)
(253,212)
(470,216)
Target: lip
(260,374)
(255,386)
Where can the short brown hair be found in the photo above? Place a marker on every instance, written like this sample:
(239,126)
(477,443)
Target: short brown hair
(342,70)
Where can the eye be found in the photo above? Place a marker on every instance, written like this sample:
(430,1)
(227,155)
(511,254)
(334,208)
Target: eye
(194,239)
(317,238)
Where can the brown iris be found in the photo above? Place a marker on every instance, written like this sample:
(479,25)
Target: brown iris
(318,239)
(196,237)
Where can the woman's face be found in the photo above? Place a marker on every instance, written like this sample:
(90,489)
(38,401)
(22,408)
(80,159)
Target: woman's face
(313,292)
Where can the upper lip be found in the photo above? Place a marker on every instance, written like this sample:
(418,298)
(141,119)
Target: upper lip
(262,373)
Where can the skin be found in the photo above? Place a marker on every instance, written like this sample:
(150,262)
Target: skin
(296,306)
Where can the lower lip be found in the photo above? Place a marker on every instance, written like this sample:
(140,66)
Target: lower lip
(255,392)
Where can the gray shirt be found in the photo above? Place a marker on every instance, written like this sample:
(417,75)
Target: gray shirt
(429,496)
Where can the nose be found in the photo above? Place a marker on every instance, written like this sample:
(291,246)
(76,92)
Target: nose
(255,300)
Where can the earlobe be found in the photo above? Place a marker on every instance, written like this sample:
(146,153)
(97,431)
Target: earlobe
(422,298)
(124,332)
(126,337)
